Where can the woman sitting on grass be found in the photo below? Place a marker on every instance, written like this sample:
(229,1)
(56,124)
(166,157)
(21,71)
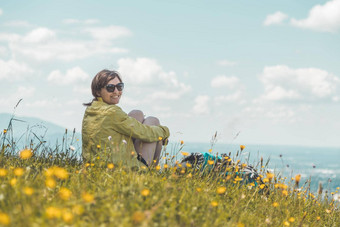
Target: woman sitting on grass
(109,133)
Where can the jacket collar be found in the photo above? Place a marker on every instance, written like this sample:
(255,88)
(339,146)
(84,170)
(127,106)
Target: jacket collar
(100,99)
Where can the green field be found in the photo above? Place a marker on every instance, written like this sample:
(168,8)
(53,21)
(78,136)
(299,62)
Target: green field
(45,186)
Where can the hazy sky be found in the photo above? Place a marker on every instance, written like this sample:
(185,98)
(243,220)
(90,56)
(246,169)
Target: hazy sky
(264,72)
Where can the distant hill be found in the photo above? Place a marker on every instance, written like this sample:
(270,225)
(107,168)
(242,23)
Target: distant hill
(24,128)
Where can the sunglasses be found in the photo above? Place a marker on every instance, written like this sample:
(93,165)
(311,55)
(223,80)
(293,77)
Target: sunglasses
(111,87)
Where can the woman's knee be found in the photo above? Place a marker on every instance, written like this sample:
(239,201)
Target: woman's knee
(151,121)
(137,114)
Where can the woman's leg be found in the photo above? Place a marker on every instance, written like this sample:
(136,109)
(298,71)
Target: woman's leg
(150,152)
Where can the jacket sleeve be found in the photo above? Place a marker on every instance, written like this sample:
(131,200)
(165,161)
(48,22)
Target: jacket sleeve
(129,126)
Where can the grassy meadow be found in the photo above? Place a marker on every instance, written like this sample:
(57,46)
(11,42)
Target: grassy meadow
(42,185)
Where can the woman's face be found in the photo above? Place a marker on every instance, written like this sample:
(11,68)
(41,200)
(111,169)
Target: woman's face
(111,97)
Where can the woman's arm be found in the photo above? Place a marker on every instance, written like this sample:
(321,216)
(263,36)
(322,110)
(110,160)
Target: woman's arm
(129,126)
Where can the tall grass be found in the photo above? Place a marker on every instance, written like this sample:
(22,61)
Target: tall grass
(42,185)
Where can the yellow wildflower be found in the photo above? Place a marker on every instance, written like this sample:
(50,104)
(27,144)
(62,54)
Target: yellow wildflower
(4,219)
(265,180)
(185,153)
(64,193)
(182,142)
(160,138)
(87,197)
(275,204)
(210,162)
(18,172)
(67,217)
(98,146)
(26,154)
(50,182)
(188,165)
(240,224)
(198,189)
(78,209)
(5,131)
(60,173)
(145,192)
(286,223)
(189,175)
(13,182)
(214,204)
(237,178)
(328,211)
(297,179)
(158,167)
(270,176)
(291,219)
(138,217)
(318,218)
(49,172)
(285,192)
(165,166)
(3,172)
(242,147)
(110,166)
(228,177)
(53,212)
(28,191)
(210,150)
(262,186)
(221,190)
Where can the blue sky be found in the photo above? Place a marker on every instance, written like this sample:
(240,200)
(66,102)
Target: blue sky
(267,72)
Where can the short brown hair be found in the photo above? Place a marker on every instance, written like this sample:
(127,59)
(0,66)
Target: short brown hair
(101,80)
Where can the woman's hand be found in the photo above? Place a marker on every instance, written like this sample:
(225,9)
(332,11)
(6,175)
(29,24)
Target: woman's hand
(165,142)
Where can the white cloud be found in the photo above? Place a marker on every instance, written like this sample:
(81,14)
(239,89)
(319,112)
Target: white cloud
(85,22)
(3,50)
(276,113)
(39,35)
(235,97)
(281,82)
(157,83)
(224,81)
(275,18)
(44,44)
(73,75)
(13,70)
(140,70)
(25,91)
(226,63)
(82,89)
(108,33)
(324,18)
(201,105)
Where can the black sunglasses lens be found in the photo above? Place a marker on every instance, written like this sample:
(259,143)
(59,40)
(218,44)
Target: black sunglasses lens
(120,86)
(111,87)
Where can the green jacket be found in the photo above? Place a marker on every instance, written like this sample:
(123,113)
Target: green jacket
(107,132)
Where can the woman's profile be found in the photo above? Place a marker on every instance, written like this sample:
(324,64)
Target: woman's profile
(109,133)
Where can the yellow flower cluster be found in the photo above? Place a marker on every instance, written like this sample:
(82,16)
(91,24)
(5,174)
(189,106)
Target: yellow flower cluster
(58,172)
(26,154)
